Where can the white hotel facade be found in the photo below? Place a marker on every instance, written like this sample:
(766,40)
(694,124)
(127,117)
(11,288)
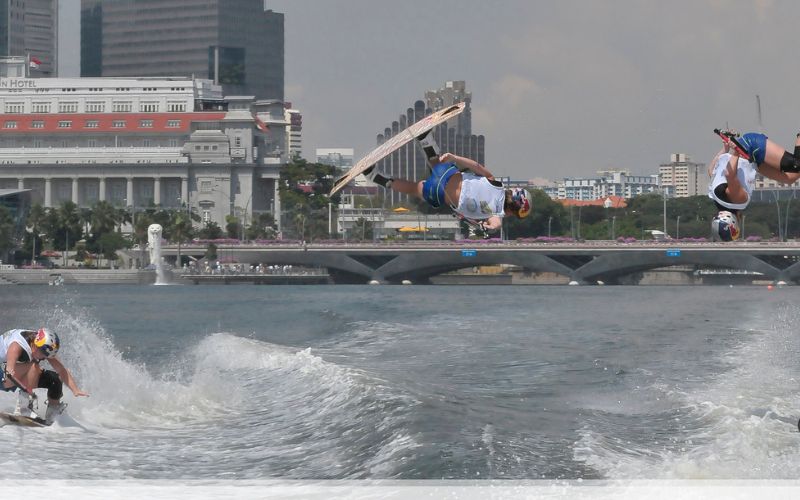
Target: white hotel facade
(139,142)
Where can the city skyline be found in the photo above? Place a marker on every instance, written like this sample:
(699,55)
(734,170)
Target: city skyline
(560,89)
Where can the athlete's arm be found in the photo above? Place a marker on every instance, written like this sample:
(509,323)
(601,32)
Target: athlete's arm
(14,350)
(712,166)
(466,163)
(66,376)
(735,190)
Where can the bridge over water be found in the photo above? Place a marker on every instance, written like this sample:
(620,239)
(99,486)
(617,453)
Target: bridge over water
(585,263)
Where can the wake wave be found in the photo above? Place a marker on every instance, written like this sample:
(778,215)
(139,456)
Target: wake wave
(741,425)
(267,410)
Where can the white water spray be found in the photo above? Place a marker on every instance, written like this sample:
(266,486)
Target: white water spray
(154,245)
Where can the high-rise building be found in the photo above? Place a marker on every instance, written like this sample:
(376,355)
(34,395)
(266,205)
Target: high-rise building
(685,177)
(341,158)
(454,136)
(30,29)
(238,45)
(295,137)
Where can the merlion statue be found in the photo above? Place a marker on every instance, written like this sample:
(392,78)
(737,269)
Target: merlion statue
(154,243)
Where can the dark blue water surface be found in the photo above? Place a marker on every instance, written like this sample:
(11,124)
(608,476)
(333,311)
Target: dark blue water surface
(463,382)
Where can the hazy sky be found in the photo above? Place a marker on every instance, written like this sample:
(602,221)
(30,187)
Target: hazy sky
(560,88)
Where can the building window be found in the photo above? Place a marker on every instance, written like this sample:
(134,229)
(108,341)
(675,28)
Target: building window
(148,107)
(145,123)
(68,107)
(37,143)
(92,124)
(95,107)
(118,124)
(237,141)
(10,124)
(147,143)
(205,186)
(65,124)
(176,107)
(40,107)
(91,143)
(37,124)
(173,123)
(173,143)
(122,107)
(14,107)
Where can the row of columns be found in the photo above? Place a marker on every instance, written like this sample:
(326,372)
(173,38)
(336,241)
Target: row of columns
(48,188)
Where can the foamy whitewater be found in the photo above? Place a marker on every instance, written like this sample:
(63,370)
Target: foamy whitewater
(348,382)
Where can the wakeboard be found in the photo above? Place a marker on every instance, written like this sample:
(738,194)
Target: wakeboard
(8,418)
(731,138)
(396,142)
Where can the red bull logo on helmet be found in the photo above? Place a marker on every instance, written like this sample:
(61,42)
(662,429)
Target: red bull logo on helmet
(47,342)
(725,227)
(522,202)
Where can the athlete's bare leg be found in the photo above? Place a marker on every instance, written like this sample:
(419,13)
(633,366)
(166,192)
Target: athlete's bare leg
(407,187)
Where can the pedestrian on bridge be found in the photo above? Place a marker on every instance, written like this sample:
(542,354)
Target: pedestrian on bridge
(733,173)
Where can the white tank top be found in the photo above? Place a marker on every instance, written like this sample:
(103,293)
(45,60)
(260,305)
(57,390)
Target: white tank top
(746,172)
(480,199)
(11,337)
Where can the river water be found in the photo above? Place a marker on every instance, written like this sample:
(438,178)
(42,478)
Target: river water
(416,382)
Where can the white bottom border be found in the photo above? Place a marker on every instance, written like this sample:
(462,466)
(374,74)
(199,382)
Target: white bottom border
(412,489)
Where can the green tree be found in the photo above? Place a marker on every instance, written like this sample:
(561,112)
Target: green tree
(304,187)
(7,232)
(211,231)
(37,219)
(211,252)
(104,219)
(69,228)
(110,242)
(263,227)
(180,230)
(232,227)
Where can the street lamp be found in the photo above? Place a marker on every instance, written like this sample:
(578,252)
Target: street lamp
(678,228)
(613,227)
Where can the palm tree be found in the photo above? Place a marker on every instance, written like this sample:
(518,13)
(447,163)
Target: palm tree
(104,218)
(6,232)
(37,217)
(180,229)
(69,221)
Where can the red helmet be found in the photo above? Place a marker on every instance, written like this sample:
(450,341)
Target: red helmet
(520,203)
(47,342)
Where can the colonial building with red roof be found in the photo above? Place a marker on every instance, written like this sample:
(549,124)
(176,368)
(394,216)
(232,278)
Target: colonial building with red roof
(138,142)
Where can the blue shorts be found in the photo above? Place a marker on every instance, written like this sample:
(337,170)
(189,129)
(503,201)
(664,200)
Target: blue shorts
(433,186)
(755,145)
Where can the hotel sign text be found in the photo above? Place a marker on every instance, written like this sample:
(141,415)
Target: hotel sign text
(17,83)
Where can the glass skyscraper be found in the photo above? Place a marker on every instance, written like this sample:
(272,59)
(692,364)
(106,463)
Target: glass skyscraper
(29,29)
(238,44)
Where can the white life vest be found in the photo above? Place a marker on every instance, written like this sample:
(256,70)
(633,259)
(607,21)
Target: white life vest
(10,337)
(746,172)
(480,199)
